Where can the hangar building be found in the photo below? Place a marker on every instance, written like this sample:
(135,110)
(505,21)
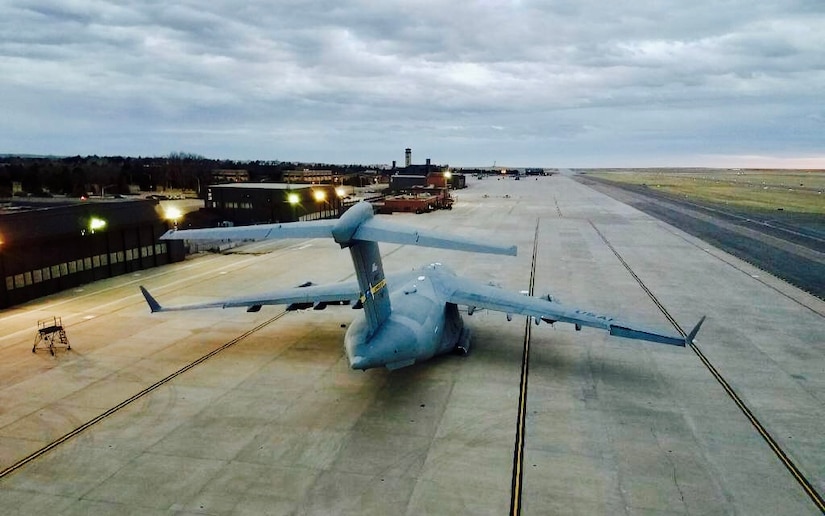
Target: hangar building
(48,248)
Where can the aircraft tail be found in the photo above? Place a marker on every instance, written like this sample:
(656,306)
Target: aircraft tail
(358,230)
(373,285)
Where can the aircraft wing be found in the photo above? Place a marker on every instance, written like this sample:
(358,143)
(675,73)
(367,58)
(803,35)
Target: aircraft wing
(317,296)
(475,295)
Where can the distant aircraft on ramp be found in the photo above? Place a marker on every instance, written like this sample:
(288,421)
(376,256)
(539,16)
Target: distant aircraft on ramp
(408,317)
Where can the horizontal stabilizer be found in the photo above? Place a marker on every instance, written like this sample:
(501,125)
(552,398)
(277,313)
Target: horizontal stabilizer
(384,231)
(358,223)
(309,229)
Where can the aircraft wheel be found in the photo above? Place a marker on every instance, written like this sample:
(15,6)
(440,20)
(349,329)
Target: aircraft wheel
(462,348)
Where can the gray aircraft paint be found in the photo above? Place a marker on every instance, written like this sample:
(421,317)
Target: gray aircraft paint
(410,317)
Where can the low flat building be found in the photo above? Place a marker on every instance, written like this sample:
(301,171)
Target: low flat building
(48,248)
(417,200)
(264,203)
(229,176)
(312,176)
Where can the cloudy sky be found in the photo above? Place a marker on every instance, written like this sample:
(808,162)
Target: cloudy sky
(570,83)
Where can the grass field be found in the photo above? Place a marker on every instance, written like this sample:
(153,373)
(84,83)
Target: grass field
(799,191)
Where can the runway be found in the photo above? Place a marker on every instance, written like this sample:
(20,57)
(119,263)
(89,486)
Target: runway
(274,421)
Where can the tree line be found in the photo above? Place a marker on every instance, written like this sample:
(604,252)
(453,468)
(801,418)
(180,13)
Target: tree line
(117,175)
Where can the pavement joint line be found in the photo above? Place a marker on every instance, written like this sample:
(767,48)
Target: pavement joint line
(521,420)
(792,468)
(60,440)
(740,269)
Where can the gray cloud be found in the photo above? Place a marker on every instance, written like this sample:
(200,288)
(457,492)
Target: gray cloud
(531,82)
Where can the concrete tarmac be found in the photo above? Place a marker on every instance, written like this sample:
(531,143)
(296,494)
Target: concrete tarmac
(276,422)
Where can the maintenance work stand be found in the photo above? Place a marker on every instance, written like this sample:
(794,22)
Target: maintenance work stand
(51,335)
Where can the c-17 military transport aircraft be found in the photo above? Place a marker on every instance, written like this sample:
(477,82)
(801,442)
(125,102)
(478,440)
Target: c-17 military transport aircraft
(408,317)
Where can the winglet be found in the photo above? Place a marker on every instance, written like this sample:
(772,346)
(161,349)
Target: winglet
(693,332)
(154,306)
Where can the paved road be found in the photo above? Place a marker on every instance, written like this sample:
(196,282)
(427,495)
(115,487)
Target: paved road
(789,247)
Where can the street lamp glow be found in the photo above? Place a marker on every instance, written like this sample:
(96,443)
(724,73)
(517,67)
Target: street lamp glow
(293,199)
(96,224)
(319,195)
(448,174)
(340,192)
(172,213)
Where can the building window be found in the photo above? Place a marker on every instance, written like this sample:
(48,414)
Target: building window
(9,283)
(37,275)
(47,275)
(104,260)
(96,261)
(87,263)
(64,269)
(129,255)
(18,281)
(55,271)
(72,267)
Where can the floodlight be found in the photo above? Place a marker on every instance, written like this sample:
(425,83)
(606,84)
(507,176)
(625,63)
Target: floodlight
(293,198)
(172,213)
(319,195)
(96,224)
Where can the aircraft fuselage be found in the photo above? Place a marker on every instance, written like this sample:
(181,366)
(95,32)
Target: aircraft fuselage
(422,324)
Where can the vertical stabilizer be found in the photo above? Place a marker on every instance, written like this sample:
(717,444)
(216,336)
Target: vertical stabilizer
(370,272)
(367,261)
